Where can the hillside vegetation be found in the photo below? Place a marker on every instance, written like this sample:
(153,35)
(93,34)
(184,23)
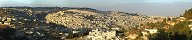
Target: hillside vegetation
(188,14)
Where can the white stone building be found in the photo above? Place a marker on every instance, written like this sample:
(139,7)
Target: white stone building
(5,20)
(190,26)
(152,31)
(101,35)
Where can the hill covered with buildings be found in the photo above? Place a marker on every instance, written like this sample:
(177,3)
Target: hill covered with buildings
(62,23)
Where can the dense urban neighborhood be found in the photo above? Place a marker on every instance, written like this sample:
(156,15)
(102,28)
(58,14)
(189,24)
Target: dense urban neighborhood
(78,23)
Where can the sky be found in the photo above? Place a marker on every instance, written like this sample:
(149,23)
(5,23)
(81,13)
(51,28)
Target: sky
(146,7)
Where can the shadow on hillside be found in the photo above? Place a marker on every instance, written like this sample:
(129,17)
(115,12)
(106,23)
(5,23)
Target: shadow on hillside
(9,34)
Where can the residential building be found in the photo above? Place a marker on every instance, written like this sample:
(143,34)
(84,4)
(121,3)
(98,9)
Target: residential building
(101,34)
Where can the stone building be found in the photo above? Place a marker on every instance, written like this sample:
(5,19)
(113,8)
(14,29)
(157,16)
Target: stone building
(152,31)
(181,18)
(190,26)
(101,35)
(5,20)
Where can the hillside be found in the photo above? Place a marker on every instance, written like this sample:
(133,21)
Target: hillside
(58,23)
(75,18)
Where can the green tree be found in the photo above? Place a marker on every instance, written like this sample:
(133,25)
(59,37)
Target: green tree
(188,14)
(180,31)
(162,35)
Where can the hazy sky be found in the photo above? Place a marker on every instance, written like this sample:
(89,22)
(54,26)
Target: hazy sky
(147,7)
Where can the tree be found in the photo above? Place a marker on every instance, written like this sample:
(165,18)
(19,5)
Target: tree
(180,31)
(162,35)
(188,14)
